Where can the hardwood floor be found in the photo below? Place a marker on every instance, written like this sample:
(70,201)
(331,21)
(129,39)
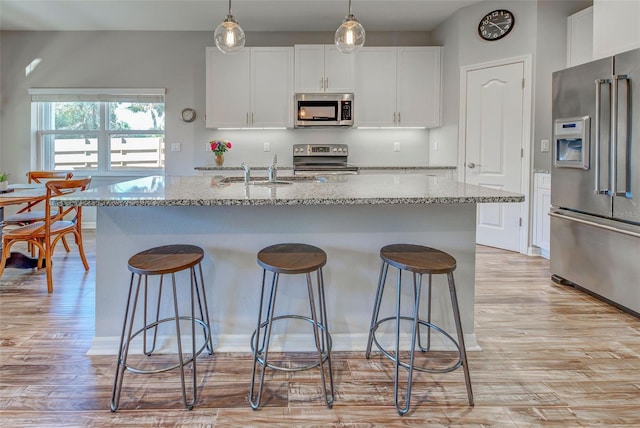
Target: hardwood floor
(551,356)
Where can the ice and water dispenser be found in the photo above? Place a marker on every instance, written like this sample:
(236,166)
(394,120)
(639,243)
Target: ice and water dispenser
(571,140)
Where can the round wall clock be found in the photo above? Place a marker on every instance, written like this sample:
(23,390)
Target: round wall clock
(495,25)
(188,115)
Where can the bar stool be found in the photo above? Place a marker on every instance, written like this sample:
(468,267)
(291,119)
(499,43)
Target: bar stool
(161,261)
(292,259)
(418,260)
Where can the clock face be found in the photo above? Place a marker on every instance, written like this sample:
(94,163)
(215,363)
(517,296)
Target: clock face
(188,115)
(495,25)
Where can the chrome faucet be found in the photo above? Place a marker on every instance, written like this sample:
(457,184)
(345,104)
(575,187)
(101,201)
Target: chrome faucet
(247,172)
(273,169)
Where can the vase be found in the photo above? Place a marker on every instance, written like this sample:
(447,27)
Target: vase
(4,185)
(219,160)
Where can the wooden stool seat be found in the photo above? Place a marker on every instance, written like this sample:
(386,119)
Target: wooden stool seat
(418,259)
(165,259)
(292,258)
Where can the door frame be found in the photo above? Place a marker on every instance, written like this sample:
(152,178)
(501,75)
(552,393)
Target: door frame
(526,158)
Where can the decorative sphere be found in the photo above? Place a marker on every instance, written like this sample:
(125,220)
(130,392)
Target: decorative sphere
(229,37)
(350,35)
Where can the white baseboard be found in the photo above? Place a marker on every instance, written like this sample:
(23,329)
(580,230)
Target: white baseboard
(533,251)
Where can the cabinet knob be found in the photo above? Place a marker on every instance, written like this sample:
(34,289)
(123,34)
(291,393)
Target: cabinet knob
(472,165)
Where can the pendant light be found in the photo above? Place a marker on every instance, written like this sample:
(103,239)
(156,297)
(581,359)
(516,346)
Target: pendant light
(350,35)
(229,37)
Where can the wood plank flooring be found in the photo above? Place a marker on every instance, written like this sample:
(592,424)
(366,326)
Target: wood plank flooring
(551,356)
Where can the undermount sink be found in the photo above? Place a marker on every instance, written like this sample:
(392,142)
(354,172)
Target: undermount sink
(264,181)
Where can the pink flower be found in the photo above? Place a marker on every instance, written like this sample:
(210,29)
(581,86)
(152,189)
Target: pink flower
(220,146)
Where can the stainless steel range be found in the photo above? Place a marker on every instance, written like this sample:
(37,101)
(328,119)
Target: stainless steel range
(313,159)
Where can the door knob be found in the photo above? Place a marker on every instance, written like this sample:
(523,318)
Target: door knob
(472,165)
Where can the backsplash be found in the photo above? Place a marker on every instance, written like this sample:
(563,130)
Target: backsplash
(367,147)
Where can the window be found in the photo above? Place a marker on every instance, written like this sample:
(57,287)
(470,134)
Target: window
(100,131)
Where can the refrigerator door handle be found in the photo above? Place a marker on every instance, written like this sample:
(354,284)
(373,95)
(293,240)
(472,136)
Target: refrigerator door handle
(596,149)
(614,138)
(593,224)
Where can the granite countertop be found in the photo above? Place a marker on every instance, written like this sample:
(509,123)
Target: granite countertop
(289,168)
(330,190)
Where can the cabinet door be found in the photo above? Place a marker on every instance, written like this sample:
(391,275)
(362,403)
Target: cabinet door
(309,68)
(419,86)
(271,87)
(580,37)
(375,98)
(338,70)
(227,89)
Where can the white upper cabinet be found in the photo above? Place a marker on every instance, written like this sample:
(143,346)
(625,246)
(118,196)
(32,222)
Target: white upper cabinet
(398,87)
(252,88)
(616,27)
(419,86)
(580,37)
(375,97)
(323,68)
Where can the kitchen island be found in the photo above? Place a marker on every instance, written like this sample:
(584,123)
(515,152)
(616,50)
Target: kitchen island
(351,217)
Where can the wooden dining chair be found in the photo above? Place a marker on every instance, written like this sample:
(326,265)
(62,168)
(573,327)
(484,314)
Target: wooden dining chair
(27,214)
(44,235)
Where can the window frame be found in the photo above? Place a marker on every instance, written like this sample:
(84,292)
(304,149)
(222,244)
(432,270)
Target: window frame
(42,116)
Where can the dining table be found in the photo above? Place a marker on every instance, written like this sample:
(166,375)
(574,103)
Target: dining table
(18,194)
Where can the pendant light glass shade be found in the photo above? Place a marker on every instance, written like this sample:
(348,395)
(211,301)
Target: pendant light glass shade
(229,37)
(350,35)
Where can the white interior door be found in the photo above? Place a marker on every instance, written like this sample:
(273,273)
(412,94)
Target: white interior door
(494,148)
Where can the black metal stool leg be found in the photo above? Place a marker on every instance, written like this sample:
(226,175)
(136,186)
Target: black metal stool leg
(414,330)
(316,334)
(463,350)
(255,403)
(325,321)
(123,350)
(155,325)
(202,302)
(382,277)
(179,343)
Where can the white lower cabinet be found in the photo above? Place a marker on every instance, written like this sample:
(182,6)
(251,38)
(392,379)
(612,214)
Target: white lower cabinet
(541,207)
(252,88)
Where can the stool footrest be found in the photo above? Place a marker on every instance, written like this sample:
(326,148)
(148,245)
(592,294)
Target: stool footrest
(325,352)
(177,365)
(390,356)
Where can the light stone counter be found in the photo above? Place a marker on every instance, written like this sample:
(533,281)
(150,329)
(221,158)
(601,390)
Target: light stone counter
(350,217)
(329,190)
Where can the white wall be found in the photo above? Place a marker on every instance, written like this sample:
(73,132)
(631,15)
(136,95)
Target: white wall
(539,31)
(176,61)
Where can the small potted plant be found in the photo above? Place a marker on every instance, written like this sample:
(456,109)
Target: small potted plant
(4,181)
(218,147)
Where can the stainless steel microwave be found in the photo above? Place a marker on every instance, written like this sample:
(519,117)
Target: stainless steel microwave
(323,110)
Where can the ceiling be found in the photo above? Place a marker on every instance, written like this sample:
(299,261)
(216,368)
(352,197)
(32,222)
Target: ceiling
(205,15)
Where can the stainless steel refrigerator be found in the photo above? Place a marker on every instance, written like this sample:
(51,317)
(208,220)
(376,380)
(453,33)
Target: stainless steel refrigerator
(595,179)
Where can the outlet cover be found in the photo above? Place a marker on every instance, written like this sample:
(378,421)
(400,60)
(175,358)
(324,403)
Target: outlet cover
(396,146)
(267,147)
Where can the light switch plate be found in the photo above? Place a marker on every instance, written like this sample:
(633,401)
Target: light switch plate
(175,147)
(544,145)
